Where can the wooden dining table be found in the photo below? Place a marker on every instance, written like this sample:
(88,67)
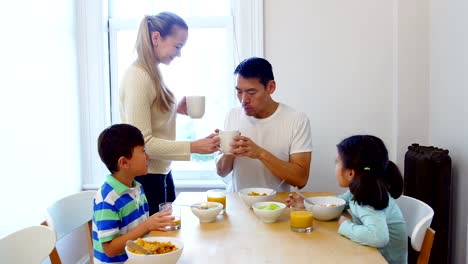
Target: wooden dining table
(238,236)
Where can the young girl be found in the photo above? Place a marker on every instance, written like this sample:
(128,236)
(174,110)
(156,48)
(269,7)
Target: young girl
(374,182)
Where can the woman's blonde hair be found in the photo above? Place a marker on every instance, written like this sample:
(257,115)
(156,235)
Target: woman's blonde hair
(165,24)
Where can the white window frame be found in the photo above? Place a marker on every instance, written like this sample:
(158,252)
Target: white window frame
(93,61)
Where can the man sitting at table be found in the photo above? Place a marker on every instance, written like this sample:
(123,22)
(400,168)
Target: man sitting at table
(275,142)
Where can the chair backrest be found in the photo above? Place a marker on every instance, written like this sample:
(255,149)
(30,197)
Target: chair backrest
(70,213)
(27,246)
(418,216)
(426,247)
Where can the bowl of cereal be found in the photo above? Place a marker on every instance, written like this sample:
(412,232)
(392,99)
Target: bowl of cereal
(163,250)
(268,212)
(206,211)
(251,196)
(325,208)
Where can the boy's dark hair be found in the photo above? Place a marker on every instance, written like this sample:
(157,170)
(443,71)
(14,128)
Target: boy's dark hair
(375,175)
(257,68)
(118,141)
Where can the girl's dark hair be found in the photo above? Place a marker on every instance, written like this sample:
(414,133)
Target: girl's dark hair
(375,176)
(118,141)
(257,68)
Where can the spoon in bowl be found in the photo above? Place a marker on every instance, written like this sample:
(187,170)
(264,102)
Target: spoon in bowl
(310,202)
(276,188)
(135,246)
(201,207)
(302,196)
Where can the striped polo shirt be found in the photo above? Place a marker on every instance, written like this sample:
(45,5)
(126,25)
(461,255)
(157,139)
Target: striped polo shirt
(117,210)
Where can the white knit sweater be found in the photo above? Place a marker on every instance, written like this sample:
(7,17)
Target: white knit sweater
(138,108)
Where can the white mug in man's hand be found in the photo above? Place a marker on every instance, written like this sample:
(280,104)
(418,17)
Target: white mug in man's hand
(226,138)
(195,106)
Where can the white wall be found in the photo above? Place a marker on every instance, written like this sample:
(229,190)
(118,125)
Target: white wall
(449,96)
(339,62)
(411,69)
(39,129)
(367,67)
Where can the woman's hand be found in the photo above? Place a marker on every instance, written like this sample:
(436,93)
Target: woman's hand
(206,145)
(182,106)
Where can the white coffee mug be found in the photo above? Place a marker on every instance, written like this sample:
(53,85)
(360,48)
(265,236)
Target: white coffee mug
(226,138)
(195,106)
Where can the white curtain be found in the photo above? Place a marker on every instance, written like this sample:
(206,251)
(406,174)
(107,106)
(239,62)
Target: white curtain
(39,129)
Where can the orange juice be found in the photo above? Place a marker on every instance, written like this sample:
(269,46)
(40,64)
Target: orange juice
(219,199)
(217,195)
(301,220)
(175,212)
(177,221)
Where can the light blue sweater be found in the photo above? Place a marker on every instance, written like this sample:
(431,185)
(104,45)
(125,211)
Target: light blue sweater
(384,229)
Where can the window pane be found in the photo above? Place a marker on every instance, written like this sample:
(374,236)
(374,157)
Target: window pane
(137,8)
(129,9)
(126,48)
(211,8)
(204,68)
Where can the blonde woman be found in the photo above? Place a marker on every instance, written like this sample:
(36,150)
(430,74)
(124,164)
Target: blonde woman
(147,103)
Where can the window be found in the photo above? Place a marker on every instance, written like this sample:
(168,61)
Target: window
(205,67)
(218,37)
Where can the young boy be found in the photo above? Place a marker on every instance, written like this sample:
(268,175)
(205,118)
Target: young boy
(121,210)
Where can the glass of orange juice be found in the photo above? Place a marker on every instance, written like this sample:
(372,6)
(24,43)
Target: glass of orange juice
(301,220)
(175,211)
(217,195)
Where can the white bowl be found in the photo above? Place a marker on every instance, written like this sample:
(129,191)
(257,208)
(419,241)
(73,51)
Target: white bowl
(206,211)
(325,207)
(268,212)
(166,258)
(249,200)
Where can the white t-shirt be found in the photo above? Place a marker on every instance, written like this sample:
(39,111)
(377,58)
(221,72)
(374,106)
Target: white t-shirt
(283,133)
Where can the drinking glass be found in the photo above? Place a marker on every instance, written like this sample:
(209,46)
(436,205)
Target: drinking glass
(175,211)
(217,195)
(301,220)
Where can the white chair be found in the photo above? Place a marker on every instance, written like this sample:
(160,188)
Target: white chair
(418,216)
(70,213)
(31,245)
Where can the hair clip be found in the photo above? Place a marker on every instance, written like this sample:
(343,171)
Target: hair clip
(367,168)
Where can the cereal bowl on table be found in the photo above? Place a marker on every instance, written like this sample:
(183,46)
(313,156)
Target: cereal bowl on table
(165,250)
(206,211)
(268,212)
(251,196)
(325,208)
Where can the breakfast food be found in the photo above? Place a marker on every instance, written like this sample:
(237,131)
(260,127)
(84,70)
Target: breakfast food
(256,194)
(271,206)
(154,247)
(205,207)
